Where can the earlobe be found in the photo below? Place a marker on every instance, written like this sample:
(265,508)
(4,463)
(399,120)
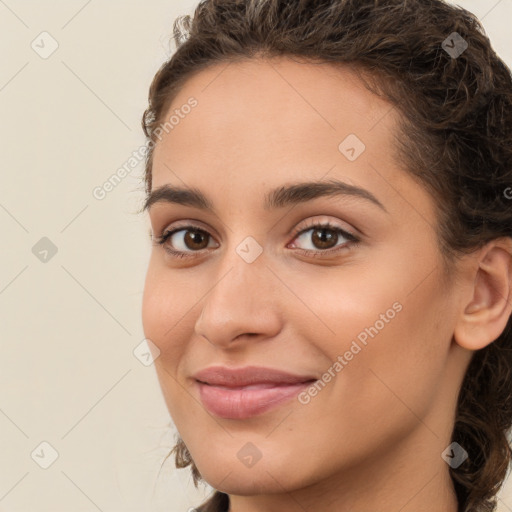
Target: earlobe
(488,307)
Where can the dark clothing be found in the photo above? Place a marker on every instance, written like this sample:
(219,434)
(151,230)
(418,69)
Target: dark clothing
(219,502)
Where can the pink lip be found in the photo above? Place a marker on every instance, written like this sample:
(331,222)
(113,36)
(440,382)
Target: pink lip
(240,393)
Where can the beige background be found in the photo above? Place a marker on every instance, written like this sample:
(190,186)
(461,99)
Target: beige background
(69,325)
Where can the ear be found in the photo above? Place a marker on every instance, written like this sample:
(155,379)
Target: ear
(487,306)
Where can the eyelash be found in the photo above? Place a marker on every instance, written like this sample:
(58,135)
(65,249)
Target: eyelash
(352,240)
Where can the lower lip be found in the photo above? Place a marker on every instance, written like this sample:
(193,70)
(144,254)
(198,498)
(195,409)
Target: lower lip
(246,402)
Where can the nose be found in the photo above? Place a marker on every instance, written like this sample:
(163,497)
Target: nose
(242,303)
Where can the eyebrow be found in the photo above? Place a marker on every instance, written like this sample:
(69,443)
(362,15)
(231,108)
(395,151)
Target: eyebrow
(277,198)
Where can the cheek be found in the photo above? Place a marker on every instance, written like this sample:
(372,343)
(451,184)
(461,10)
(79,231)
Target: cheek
(345,306)
(164,318)
(392,328)
(166,309)
(154,305)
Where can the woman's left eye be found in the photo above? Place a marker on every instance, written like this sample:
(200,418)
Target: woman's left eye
(324,237)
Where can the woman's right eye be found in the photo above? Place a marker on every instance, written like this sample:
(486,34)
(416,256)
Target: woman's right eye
(184,241)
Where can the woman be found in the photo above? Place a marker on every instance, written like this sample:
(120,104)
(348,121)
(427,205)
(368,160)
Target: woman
(330,284)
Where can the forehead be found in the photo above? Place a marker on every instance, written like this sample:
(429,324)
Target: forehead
(260,123)
(253,110)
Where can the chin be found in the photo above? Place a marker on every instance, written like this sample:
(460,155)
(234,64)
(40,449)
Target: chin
(246,483)
(270,475)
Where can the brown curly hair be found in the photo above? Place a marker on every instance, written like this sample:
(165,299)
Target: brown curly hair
(455,137)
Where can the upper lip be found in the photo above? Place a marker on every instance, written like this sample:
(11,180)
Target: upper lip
(248,375)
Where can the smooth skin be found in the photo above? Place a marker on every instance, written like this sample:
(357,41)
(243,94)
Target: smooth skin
(372,438)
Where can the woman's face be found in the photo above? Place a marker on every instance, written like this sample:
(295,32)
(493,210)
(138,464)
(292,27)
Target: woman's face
(366,311)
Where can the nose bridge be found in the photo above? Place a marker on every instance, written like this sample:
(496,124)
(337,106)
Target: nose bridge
(240,300)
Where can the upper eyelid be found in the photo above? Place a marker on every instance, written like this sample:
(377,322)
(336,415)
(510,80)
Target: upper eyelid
(311,221)
(185,227)
(332,225)
(311,224)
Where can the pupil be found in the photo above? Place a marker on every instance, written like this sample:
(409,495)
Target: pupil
(324,239)
(194,237)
